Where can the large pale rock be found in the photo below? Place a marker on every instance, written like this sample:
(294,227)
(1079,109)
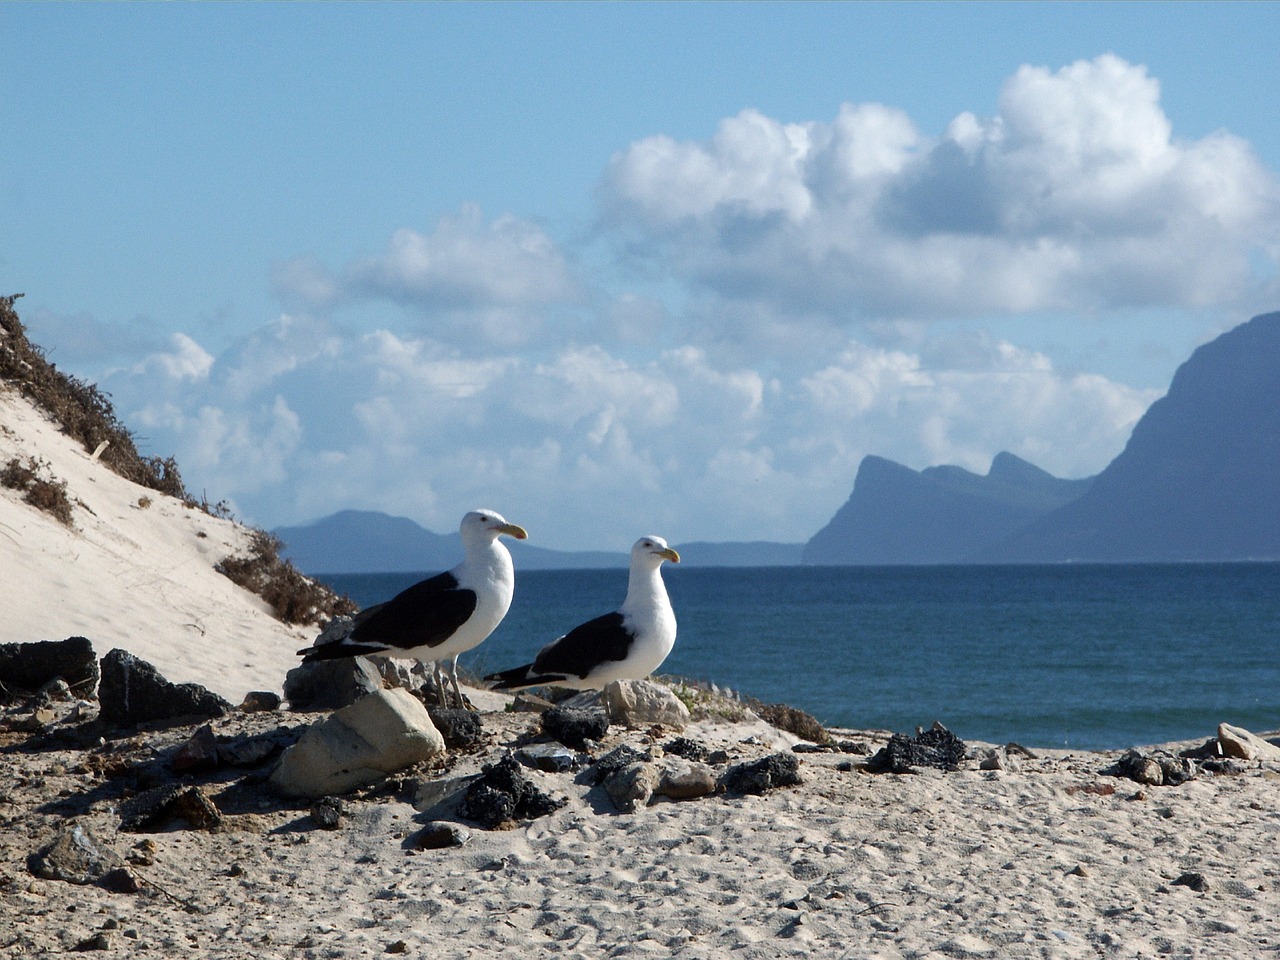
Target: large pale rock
(642,703)
(379,734)
(1240,743)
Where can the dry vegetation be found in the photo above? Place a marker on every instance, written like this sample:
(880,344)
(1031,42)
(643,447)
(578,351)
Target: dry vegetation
(85,413)
(295,598)
(41,492)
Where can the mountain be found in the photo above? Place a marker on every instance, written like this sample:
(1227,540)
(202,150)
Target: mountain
(1199,478)
(897,515)
(366,541)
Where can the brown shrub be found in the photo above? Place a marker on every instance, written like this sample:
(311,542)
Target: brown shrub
(43,494)
(294,597)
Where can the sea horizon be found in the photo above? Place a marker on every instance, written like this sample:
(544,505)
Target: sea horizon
(1066,655)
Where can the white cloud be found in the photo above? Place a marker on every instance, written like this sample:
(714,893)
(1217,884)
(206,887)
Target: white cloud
(1075,196)
(478,284)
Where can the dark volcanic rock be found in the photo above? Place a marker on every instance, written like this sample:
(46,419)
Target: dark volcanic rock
(157,808)
(502,792)
(133,691)
(938,748)
(574,726)
(461,729)
(76,856)
(330,684)
(615,760)
(763,775)
(684,747)
(29,666)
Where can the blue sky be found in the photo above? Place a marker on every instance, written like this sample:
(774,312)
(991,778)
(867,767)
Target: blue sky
(617,269)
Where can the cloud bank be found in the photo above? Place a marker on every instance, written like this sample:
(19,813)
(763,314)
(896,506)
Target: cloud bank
(768,318)
(1076,196)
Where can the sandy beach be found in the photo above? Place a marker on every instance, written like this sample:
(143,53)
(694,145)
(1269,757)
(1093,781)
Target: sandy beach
(1049,858)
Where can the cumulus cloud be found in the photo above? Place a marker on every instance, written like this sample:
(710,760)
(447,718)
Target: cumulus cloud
(1076,195)
(476,282)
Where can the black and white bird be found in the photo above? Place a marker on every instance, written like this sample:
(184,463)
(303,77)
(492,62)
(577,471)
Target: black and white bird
(628,644)
(443,616)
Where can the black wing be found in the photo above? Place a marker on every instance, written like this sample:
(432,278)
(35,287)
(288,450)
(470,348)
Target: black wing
(423,615)
(585,647)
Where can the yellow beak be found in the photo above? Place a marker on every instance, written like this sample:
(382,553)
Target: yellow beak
(669,554)
(511,530)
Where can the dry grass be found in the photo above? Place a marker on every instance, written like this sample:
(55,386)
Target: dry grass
(85,413)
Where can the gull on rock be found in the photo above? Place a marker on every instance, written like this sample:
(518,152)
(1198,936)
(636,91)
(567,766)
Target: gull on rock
(443,616)
(628,644)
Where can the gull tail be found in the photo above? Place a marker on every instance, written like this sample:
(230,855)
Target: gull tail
(341,648)
(519,677)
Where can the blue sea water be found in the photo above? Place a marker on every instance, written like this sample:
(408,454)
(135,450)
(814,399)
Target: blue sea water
(1076,656)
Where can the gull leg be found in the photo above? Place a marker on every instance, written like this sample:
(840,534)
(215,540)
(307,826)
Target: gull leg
(441,696)
(453,675)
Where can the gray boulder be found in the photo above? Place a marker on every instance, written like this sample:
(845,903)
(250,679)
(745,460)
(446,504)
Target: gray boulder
(362,743)
(1243,745)
(643,703)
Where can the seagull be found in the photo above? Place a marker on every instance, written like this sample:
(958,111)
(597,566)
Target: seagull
(628,644)
(440,617)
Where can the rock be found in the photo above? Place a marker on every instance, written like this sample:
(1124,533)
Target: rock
(327,812)
(548,757)
(200,752)
(996,759)
(684,747)
(133,691)
(574,726)
(643,703)
(615,760)
(252,751)
(331,684)
(461,729)
(377,735)
(1243,745)
(938,748)
(120,880)
(155,809)
(29,666)
(1195,881)
(76,856)
(260,701)
(439,834)
(1153,769)
(686,780)
(429,794)
(501,793)
(763,775)
(630,787)
(526,702)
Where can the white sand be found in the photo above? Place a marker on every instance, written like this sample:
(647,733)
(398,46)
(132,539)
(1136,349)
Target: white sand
(130,575)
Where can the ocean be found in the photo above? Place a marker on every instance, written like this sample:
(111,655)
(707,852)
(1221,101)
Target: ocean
(1073,656)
